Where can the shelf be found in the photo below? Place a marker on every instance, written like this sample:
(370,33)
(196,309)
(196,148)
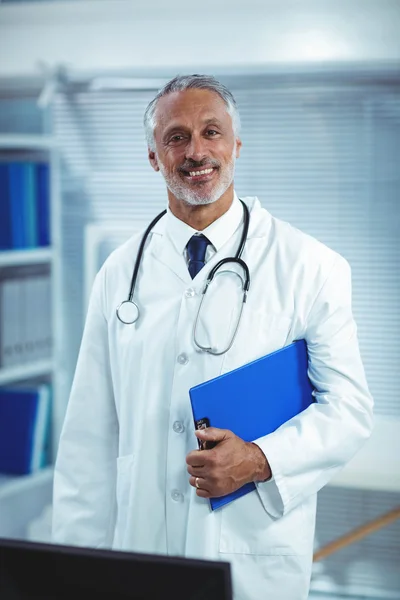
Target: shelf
(21,372)
(31,256)
(18,141)
(11,485)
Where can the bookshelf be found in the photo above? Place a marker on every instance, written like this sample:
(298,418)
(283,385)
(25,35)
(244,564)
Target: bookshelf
(32,370)
(35,256)
(23,142)
(22,498)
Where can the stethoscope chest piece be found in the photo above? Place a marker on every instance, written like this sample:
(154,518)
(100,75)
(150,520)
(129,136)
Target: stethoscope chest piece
(128,312)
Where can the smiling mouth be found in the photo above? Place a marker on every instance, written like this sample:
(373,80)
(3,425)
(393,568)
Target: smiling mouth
(199,174)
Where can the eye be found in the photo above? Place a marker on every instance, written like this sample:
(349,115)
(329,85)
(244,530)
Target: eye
(211,132)
(176,138)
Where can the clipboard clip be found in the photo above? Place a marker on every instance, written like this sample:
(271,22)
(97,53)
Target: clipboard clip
(203,424)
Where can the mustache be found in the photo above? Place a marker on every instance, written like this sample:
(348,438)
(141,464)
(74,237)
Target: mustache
(194,164)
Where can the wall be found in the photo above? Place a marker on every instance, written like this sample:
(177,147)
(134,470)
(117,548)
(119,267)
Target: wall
(151,37)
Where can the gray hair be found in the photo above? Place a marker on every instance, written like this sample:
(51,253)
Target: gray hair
(186,82)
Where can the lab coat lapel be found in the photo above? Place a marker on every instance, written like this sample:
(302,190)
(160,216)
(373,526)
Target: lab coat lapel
(165,252)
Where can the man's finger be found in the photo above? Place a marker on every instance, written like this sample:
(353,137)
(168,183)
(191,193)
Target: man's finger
(212,434)
(198,483)
(196,458)
(196,471)
(203,493)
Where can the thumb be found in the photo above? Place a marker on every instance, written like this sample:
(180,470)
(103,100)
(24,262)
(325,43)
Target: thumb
(212,434)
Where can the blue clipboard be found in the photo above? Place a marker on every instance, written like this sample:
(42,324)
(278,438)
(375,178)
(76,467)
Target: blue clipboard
(255,399)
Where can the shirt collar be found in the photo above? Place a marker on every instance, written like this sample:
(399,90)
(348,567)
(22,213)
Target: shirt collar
(219,232)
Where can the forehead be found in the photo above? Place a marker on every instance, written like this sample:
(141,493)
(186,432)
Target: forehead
(189,107)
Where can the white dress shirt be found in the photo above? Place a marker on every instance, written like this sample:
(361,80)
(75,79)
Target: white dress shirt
(218,233)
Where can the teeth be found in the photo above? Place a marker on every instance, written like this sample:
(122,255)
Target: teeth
(205,172)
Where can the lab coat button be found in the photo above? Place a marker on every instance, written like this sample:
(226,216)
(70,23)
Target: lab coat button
(178,427)
(183,359)
(189,293)
(176,496)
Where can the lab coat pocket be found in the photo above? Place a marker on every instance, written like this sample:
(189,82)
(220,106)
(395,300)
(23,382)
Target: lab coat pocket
(124,482)
(260,333)
(246,528)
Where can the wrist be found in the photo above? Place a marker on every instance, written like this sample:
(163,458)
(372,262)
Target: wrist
(262,470)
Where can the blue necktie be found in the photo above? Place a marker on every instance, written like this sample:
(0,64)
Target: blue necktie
(196,249)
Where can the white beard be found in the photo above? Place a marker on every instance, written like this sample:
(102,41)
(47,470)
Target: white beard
(196,197)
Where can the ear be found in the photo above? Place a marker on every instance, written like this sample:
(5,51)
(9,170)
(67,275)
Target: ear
(238,147)
(153,160)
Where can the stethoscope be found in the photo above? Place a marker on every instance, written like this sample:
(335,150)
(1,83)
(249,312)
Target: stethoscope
(128,311)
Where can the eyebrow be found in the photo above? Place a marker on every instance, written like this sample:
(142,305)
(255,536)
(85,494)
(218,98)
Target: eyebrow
(213,120)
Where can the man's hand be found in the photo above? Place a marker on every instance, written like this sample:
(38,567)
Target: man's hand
(227,466)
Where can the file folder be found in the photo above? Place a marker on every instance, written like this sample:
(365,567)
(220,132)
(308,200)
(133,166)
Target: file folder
(24,428)
(255,399)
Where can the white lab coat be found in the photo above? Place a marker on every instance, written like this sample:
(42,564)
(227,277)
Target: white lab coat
(121,479)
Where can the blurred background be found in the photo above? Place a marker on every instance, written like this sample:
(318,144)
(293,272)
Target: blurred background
(318,88)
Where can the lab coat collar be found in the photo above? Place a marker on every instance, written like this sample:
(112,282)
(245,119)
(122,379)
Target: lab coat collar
(218,233)
(170,236)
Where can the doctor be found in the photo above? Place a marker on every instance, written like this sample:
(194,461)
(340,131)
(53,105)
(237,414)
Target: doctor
(128,472)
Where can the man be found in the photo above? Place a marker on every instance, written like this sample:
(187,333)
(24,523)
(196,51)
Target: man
(128,473)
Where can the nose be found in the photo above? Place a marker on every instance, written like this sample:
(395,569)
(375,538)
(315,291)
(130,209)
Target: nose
(196,148)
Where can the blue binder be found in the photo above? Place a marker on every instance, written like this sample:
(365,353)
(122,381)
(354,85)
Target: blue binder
(43,203)
(24,428)
(31,210)
(18,194)
(5,209)
(256,399)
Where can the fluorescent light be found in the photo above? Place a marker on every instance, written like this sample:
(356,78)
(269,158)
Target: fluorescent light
(126,83)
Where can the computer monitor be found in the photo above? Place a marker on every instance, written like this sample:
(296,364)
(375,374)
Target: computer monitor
(30,570)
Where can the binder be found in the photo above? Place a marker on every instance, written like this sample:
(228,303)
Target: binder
(16,316)
(255,399)
(28,318)
(17,198)
(6,324)
(36,318)
(24,205)
(24,428)
(47,326)
(12,323)
(31,210)
(43,203)
(5,209)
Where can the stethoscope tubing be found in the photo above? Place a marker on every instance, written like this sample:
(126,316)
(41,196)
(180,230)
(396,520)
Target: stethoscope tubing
(237,259)
(140,253)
